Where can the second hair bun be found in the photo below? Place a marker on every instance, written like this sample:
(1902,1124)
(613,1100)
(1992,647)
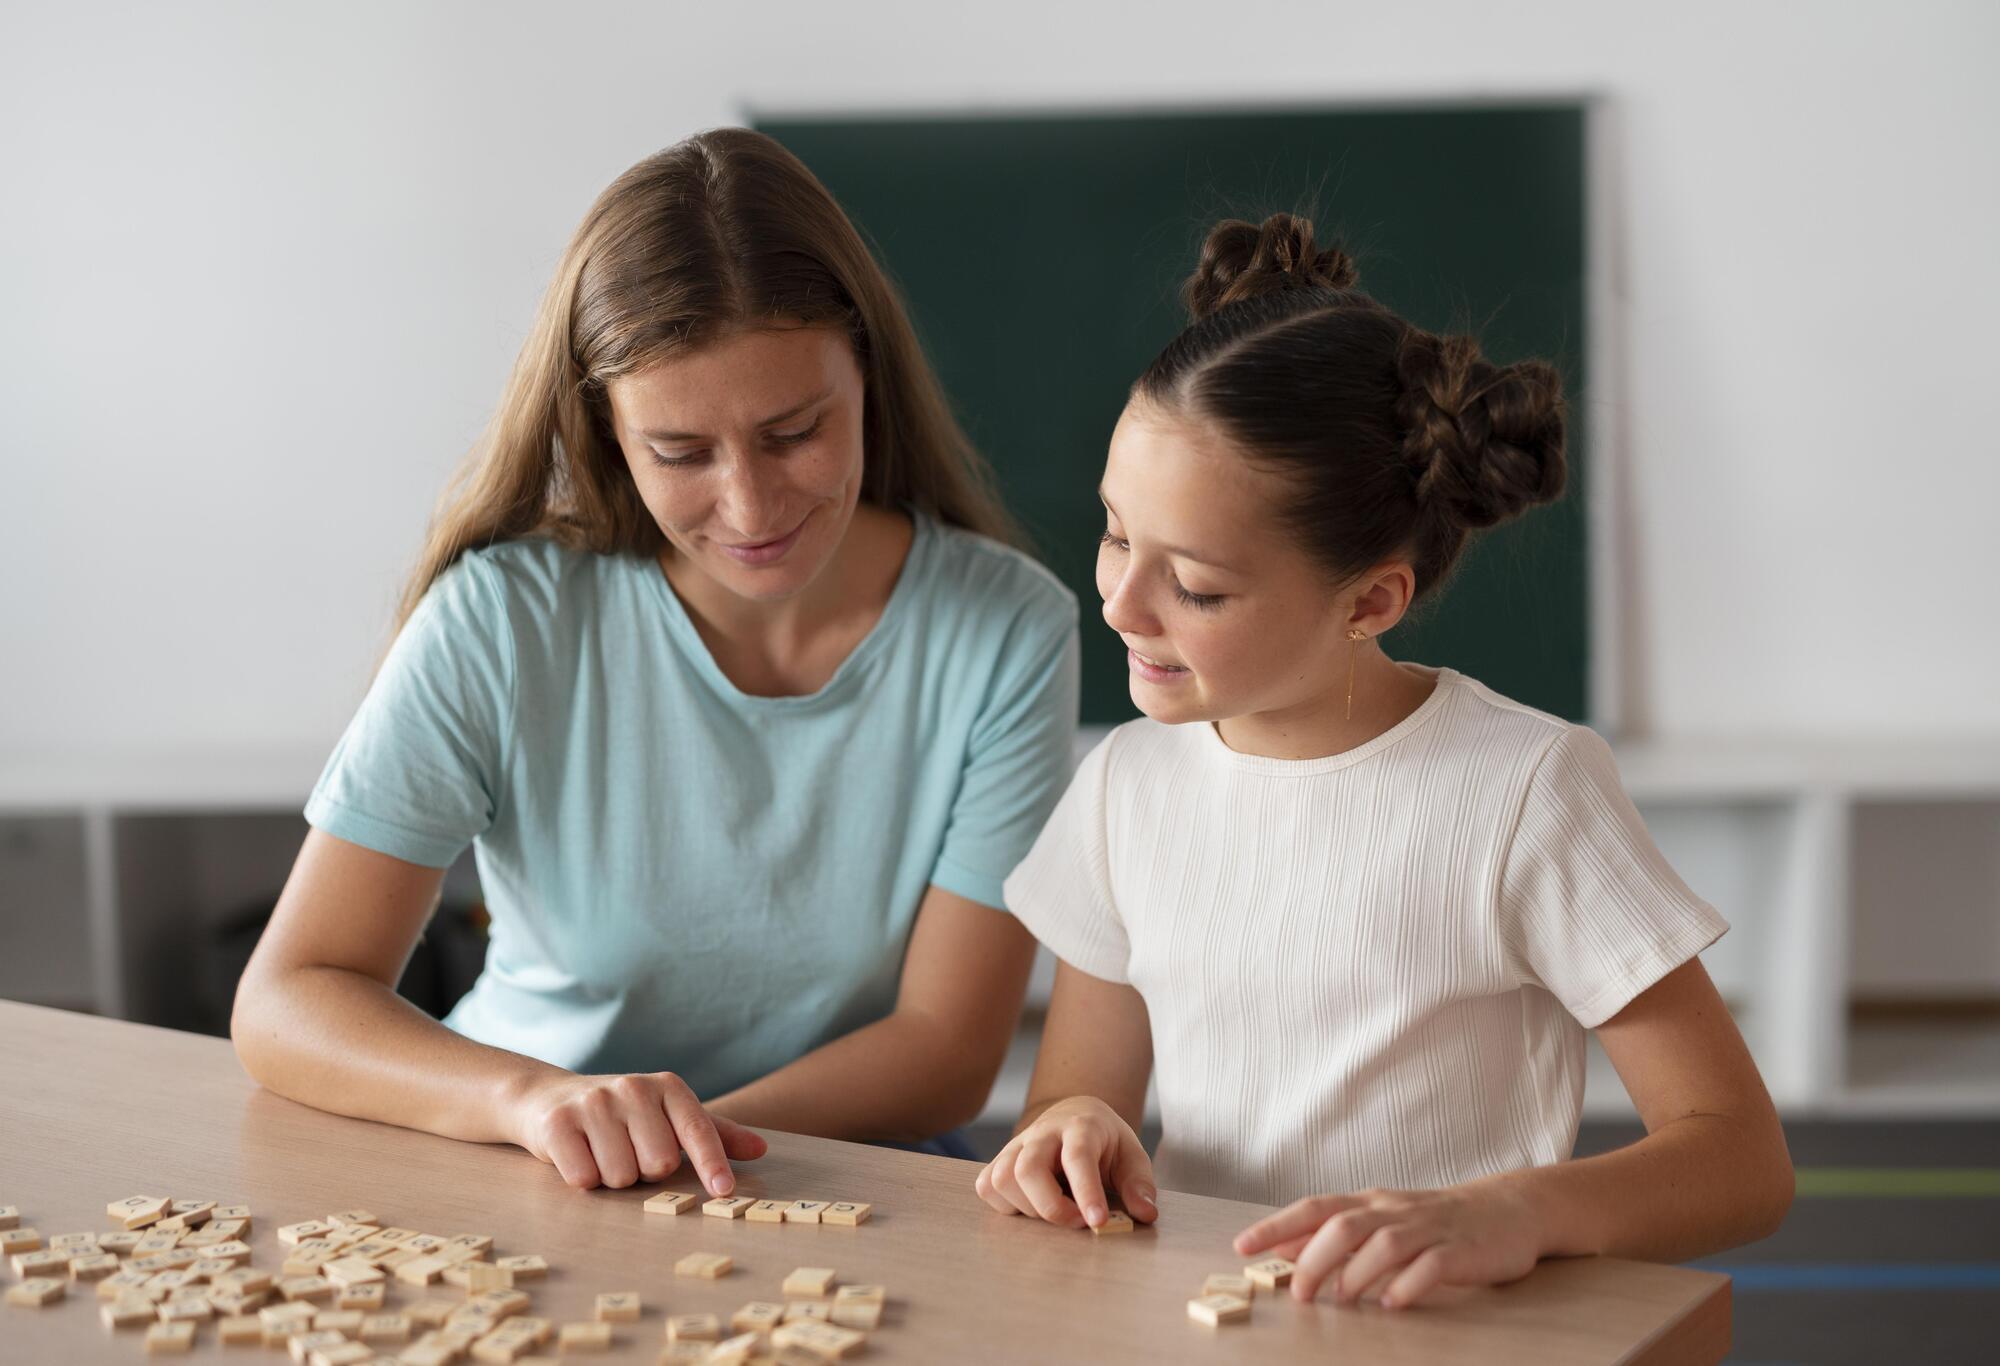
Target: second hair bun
(1243,260)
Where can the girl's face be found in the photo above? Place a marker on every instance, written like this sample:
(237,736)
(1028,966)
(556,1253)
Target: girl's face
(1222,615)
(748,454)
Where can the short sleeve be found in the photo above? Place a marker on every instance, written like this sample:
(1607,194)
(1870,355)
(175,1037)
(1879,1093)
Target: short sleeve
(1062,890)
(1017,756)
(1589,907)
(417,774)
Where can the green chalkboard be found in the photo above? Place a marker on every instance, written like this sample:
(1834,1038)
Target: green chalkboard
(1041,256)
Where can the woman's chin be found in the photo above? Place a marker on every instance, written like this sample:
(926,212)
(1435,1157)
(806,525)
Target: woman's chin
(773,579)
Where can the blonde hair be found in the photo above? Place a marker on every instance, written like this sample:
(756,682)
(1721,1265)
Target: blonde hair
(723,230)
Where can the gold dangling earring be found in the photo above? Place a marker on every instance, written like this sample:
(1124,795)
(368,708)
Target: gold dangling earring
(1357,636)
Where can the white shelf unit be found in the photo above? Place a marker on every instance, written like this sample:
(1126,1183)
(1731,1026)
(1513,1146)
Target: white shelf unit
(109,868)
(113,871)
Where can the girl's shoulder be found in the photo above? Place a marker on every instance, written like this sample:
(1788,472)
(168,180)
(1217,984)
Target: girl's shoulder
(1482,708)
(1530,732)
(1122,754)
(1464,733)
(1522,755)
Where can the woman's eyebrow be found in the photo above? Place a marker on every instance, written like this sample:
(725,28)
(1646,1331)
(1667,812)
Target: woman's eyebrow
(771,421)
(1181,551)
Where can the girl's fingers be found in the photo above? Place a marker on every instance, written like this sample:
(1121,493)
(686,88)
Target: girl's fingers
(982,1186)
(1086,1184)
(569,1153)
(1416,1280)
(1327,1250)
(1289,1249)
(1385,1252)
(1133,1176)
(1294,1223)
(1035,1174)
(1006,1187)
(696,1131)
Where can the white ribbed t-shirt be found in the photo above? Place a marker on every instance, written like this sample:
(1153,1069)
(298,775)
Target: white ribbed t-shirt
(1369,969)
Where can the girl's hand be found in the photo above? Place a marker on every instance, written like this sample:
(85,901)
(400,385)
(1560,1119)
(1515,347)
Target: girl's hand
(1399,1246)
(1083,1140)
(617,1130)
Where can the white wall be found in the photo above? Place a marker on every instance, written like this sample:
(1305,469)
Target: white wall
(262,269)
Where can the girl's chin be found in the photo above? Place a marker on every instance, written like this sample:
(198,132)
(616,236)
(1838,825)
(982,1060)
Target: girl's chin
(1171,710)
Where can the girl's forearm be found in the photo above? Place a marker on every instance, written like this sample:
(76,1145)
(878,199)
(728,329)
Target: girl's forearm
(1694,1186)
(901,1078)
(340,1041)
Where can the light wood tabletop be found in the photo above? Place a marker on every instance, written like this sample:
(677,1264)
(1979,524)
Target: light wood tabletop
(94,1110)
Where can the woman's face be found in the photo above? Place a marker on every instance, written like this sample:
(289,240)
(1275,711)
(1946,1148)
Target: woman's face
(1222,615)
(748,453)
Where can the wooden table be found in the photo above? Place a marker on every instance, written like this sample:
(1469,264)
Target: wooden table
(93,1110)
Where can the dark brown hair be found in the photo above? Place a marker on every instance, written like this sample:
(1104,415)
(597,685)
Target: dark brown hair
(1397,442)
(726,229)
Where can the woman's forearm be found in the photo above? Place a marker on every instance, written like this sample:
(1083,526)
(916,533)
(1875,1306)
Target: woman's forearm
(1694,1186)
(902,1078)
(341,1041)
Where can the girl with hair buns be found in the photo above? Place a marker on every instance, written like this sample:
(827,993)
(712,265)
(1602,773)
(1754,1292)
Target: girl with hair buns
(1355,913)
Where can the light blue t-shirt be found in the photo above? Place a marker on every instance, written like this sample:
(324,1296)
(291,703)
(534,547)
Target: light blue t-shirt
(681,876)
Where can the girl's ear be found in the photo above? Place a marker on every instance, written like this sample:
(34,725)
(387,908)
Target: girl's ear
(1383,596)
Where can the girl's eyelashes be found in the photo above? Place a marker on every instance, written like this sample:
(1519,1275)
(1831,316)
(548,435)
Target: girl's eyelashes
(777,439)
(1202,602)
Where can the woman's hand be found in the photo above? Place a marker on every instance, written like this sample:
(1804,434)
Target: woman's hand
(1399,1246)
(618,1130)
(1084,1141)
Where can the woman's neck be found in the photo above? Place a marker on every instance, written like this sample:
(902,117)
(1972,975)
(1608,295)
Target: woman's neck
(1317,727)
(792,647)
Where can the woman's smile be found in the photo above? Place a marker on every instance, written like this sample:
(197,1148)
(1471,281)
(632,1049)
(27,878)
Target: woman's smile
(763,552)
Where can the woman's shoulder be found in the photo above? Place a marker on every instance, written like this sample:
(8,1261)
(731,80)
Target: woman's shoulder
(976,575)
(536,574)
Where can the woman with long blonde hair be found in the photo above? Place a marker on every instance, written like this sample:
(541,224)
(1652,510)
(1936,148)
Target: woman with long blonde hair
(720,659)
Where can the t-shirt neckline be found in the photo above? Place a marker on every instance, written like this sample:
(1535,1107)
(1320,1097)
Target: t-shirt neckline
(1447,680)
(894,610)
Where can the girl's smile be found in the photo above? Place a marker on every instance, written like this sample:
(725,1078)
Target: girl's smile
(1152,670)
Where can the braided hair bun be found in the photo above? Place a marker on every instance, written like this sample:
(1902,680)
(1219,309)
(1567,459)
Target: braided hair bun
(1247,261)
(1485,441)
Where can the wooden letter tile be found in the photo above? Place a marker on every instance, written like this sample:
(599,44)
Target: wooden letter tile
(618,1307)
(694,1328)
(37,1291)
(706,1266)
(137,1211)
(170,1339)
(1216,1310)
(810,1282)
(1270,1273)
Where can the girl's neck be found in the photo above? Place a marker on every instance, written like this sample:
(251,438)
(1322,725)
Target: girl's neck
(1317,727)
